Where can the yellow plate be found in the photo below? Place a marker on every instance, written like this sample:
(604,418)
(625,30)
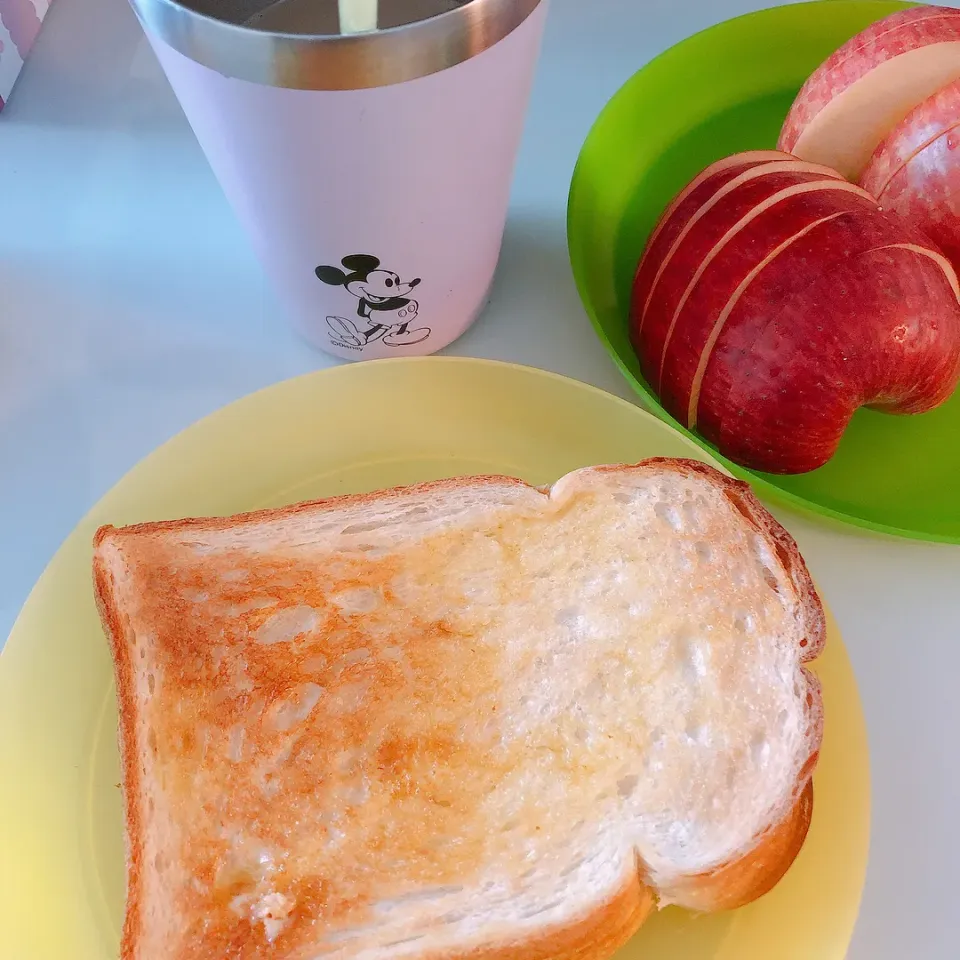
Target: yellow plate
(352,428)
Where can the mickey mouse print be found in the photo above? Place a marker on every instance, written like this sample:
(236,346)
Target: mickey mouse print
(385,309)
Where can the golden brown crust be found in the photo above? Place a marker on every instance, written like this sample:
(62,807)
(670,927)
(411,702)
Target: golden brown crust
(755,874)
(593,937)
(126,737)
(306,507)
(600,933)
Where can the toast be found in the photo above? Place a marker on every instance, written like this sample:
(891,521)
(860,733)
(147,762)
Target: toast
(459,719)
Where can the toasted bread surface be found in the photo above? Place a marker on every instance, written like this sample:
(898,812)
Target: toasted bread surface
(461,718)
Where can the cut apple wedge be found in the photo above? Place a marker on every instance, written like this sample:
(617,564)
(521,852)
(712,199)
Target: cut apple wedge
(915,172)
(775,298)
(754,164)
(852,102)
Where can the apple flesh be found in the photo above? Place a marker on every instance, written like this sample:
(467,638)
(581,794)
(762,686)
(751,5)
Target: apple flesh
(915,172)
(775,298)
(858,95)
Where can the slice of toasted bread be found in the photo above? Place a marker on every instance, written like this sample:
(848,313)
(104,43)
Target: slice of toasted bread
(466,718)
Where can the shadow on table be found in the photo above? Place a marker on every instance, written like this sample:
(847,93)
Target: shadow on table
(534,314)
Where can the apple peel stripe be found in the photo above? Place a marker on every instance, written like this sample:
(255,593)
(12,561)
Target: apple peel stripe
(737,160)
(729,307)
(794,190)
(761,170)
(913,156)
(857,50)
(938,258)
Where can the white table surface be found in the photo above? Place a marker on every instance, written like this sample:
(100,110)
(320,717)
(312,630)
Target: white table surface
(131,305)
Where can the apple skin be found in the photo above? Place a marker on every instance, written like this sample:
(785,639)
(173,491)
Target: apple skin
(915,172)
(855,98)
(775,298)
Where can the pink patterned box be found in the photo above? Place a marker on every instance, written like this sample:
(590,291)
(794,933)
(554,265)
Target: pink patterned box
(19,25)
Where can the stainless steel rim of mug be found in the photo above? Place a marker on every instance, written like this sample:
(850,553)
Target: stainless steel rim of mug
(337,62)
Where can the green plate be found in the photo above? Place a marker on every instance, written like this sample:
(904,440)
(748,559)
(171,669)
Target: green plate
(721,91)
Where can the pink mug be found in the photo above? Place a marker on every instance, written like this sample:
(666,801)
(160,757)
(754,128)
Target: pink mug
(371,170)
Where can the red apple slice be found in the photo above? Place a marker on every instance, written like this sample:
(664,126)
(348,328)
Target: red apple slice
(774,299)
(860,93)
(848,355)
(915,172)
(753,174)
(736,171)
(733,163)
